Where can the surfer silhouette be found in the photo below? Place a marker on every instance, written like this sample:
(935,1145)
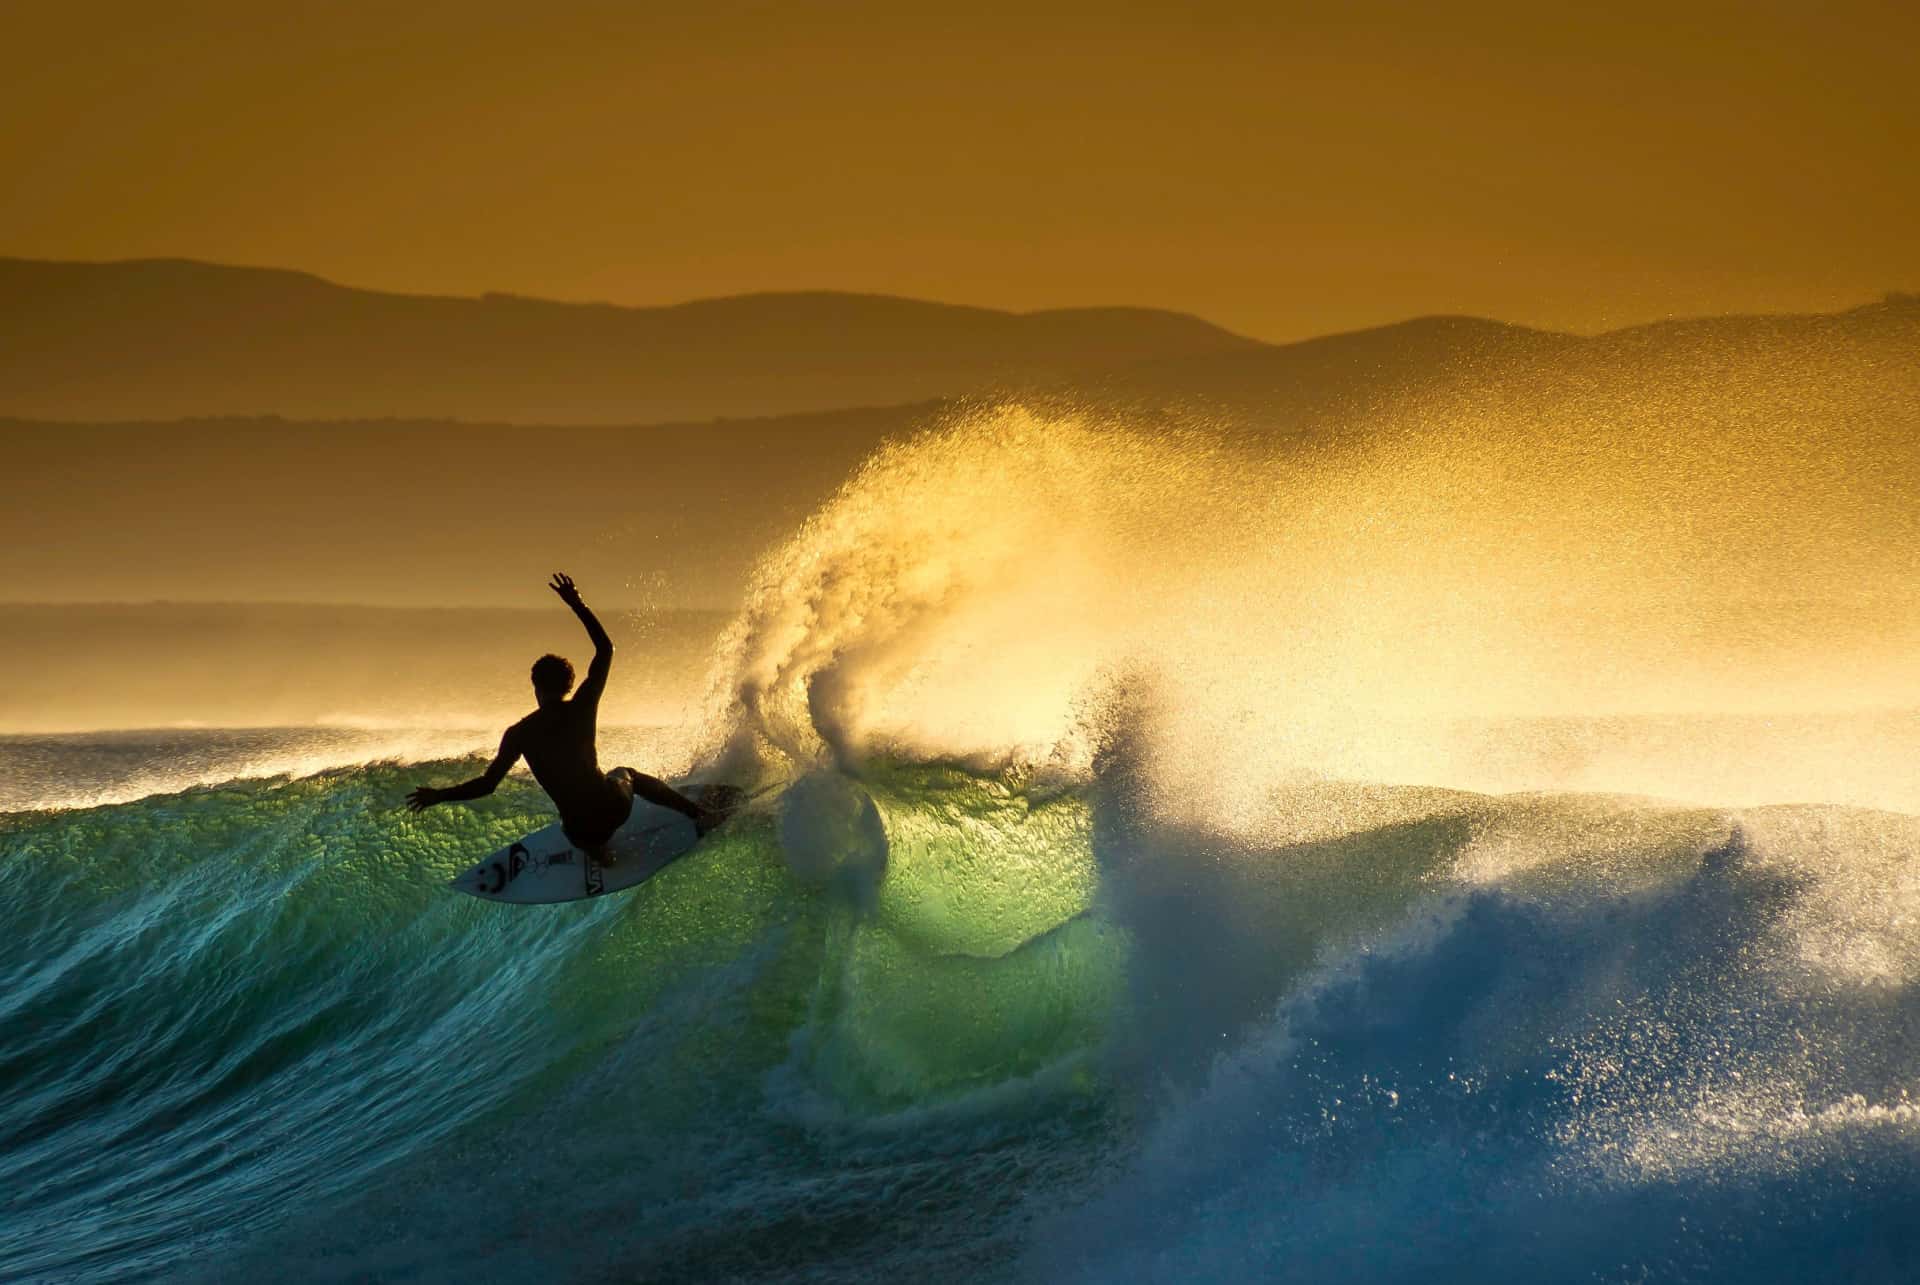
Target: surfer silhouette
(557,740)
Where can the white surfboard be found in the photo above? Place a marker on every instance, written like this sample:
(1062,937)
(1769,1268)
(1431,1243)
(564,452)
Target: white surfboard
(545,867)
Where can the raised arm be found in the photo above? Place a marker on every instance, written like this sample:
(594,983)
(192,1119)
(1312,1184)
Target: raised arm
(426,796)
(596,679)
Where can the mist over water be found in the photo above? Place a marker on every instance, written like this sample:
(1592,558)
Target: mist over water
(1463,596)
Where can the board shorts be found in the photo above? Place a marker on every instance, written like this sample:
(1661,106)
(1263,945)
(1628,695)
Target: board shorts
(595,825)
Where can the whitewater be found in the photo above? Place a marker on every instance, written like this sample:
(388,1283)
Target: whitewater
(1182,863)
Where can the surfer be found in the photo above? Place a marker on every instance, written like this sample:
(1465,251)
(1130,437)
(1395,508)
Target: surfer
(557,740)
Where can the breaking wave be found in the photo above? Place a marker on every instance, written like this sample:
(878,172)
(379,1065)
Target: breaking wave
(1188,861)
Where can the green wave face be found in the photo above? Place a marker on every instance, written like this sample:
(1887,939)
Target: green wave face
(971,958)
(260,992)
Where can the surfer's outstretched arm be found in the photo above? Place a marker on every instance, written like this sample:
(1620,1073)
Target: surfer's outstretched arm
(480,786)
(596,679)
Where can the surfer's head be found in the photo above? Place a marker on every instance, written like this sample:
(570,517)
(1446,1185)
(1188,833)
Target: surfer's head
(552,678)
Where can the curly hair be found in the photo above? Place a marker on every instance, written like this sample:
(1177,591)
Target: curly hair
(553,674)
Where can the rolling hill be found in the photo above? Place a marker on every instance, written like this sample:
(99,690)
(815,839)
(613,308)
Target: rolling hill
(169,339)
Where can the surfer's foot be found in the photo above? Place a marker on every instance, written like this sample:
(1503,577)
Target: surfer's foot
(706,820)
(602,855)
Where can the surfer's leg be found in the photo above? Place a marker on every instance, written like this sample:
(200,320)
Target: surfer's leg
(659,793)
(595,844)
(592,829)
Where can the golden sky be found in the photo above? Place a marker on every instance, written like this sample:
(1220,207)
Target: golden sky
(1279,170)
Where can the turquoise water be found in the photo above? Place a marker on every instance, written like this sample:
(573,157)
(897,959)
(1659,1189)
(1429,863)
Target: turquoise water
(1042,1033)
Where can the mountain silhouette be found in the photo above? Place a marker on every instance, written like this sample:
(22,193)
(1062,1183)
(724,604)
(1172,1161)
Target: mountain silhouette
(624,437)
(1333,384)
(166,339)
(1766,413)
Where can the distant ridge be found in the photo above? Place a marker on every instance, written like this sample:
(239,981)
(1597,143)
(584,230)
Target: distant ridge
(155,340)
(152,340)
(170,338)
(1331,388)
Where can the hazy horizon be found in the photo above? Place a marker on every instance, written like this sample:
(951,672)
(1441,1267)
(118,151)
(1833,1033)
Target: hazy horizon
(278,505)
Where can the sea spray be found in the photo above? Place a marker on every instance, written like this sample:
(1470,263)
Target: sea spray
(1417,602)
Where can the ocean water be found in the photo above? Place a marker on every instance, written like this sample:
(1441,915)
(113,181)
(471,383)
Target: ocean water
(1175,863)
(1041,1035)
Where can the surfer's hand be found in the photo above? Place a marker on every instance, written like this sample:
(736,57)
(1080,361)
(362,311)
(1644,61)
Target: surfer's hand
(563,585)
(422,799)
